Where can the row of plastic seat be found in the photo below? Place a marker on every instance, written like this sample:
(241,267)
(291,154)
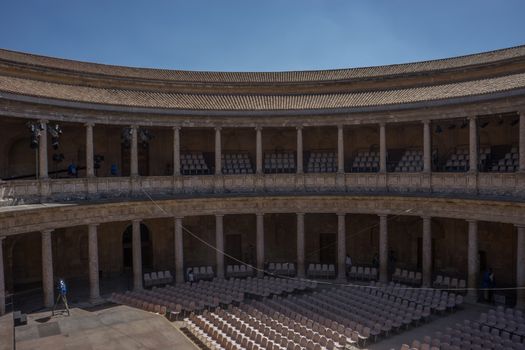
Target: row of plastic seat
(241,270)
(446,282)
(283,269)
(201,272)
(363,273)
(321,270)
(157,278)
(407,277)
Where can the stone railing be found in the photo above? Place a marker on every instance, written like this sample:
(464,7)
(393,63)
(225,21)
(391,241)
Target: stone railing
(486,185)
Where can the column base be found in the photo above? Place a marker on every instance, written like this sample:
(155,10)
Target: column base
(96,301)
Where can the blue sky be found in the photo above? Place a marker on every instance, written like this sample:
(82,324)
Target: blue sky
(262,35)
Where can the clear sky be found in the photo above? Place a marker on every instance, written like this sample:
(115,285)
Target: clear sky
(262,35)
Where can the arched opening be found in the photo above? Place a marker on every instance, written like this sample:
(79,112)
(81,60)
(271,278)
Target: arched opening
(146,246)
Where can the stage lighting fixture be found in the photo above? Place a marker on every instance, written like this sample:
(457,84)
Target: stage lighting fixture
(515,121)
(484,124)
(464,124)
(438,129)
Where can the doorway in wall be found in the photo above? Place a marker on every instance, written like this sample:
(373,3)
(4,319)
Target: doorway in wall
(233,248)
(327,248)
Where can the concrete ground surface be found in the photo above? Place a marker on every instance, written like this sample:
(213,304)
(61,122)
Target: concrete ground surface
(106,327)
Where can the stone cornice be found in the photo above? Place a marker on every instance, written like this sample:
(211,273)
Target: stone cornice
(45,217)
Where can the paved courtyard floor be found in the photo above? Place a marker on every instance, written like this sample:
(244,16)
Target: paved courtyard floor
(112,327)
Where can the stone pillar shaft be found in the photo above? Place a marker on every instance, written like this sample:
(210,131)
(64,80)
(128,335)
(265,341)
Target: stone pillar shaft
(300,168)
(520,267)
(176,151)
(473,263)
(427,252)
(427,147)
(260,244)
(90,162)
(382,148)
(2,278)
(383,249)
(94,290)
(47,268)
(258,150)
(137,255)
(218,151)
(134,163)
(522,142)
(341,246)
(340,150)
(219,244)
(473,145)
(300,245)
(179,252)
(42,152)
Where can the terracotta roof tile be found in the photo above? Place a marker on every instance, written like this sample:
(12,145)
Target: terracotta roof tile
(239,102)
(261,77)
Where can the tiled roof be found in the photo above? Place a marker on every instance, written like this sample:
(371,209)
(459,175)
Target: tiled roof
(257,102)
(261,77)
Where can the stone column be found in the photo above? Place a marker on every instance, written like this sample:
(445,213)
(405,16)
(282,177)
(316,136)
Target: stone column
(218,151)
(137,255)
(179,252)
(300,168)
(219,244)
(473,145)
(258,150)
(473,263)
(176,151)
(134,164)
(520,267)
(382,148)
(300,245)
(260,244)
(521,149)
(2,280)
(341,247)
(47,269)
(427,252)
(90,162)
(427,147)
(42,152)
(383,248)
(340,150)
(94,290)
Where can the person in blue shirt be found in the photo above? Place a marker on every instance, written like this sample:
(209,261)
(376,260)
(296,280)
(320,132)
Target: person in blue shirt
(72,169)
(114,169)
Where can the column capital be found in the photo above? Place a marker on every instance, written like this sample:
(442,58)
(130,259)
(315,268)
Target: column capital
(136,221)
(426,217)
(426,121)
(473,221)
(259,214)
(299,127)
(134,127)
(472,117)
(89,124)
(520,226)
(300,214)
(217,128)
(340,126)
(47,231)
(94,225)
(258,128)
(43,121)
(382,124)
(2,238)
(219,215)
(382,215)
(178,217)
(340,214)
(176,128)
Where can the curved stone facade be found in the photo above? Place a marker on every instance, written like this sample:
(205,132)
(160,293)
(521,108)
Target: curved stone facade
(368,144)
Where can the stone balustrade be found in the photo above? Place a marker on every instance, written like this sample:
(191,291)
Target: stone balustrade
(486,185)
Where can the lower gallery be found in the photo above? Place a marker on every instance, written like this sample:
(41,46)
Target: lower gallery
(377,207)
